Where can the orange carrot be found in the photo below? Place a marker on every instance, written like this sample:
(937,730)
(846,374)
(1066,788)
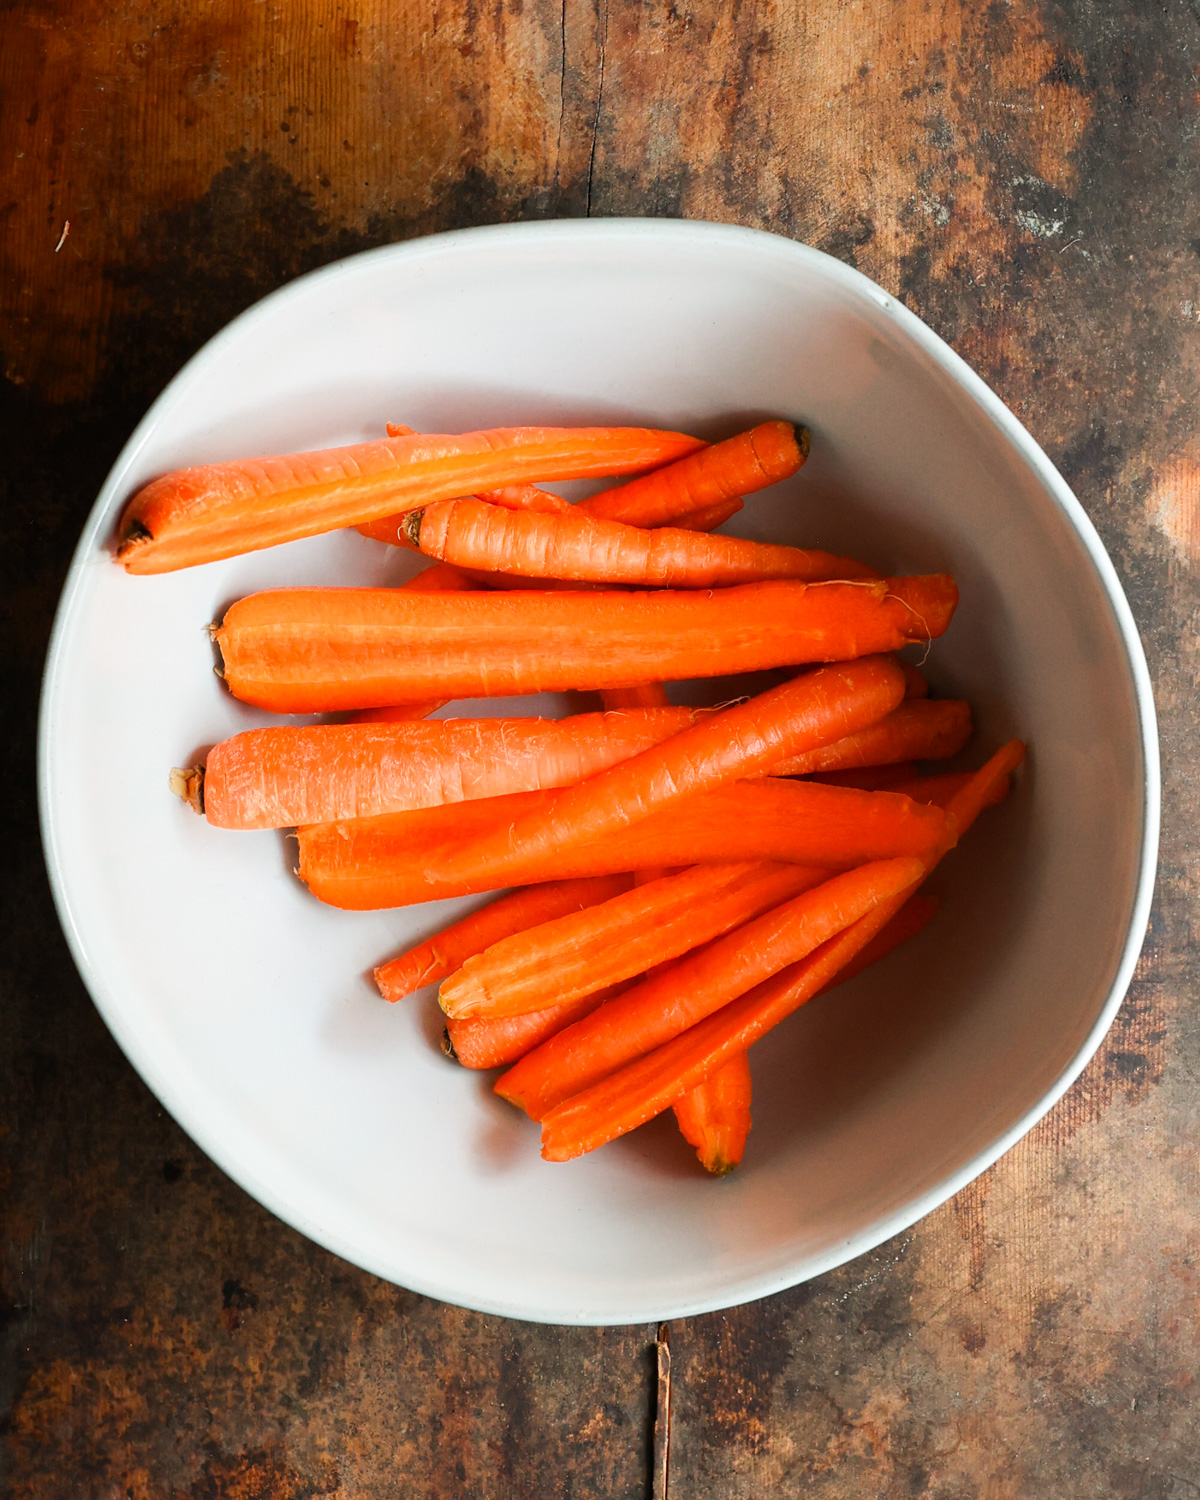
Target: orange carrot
(708,518)
(290,774)
(619,937)
(871,778)
(511,496)
(449,949)
(320,650)
(581,548)
(732,744)
(941,790)
(650,1014)
(401,858)
(498,1043)
(715,1116)
(738,466)
(915,684)
(222,510)
(636,1093)
(920,729)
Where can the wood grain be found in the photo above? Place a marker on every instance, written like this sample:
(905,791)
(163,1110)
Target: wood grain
(1025,177)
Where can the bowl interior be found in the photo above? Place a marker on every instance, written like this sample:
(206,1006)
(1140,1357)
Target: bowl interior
(248,1007)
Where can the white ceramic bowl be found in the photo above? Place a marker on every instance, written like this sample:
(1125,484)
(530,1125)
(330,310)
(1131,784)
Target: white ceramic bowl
(246,1005)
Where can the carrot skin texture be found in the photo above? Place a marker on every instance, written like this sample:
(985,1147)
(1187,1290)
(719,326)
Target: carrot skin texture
(636,1093)
(581,548)
(222,510)
(396,860)
(650,1014)
(714,1117)
(286,775)
(721,472)
(919,729)
(618,938)
(742,741)
(439,956)
(324,650)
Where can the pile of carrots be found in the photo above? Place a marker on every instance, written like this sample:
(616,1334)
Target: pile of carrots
(679,880)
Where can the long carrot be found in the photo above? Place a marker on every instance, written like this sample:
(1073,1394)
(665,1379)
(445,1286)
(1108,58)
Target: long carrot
(619,937)
(650,1014)
(288,775)
(371,863)
(742,741)
(220,510)
(320,650)
(449,949)
(727,470)
(715,1116)
(919,729)
(636,1093)
(581,548)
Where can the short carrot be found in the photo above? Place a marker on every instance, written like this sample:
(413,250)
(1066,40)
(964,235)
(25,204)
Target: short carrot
(499,1043)
(372,863)
(287,775)
(636,1093)
(321,650)
(581,548)
(618,938)
(744,740)
(919,729)
(650,1014)
(714,1117)
(439,956)
(221,510)
(724,471)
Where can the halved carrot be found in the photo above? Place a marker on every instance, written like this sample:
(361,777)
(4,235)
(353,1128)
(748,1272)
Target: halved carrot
(617,938)
(372,863)
(715,1116)
(741,741)
(582,548)
(320,650)
(449,949)
(650,1014)
(919,729)
(288,775)
(637,1092)
(221,510)
(724,471)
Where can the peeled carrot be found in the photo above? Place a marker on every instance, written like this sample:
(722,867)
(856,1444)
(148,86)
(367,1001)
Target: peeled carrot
(221,510)
(741,741)
(715,1116)
(919,729)
(320,650)
(449,949)
(650,1014)
(581,548)
(617,938)
(724,471)
(501,1042)
(288,775)
(371,863)
(636,1093)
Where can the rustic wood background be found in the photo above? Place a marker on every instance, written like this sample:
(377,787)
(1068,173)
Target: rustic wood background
(1022,175)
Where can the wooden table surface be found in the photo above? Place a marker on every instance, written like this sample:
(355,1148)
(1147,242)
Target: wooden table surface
(1024,177)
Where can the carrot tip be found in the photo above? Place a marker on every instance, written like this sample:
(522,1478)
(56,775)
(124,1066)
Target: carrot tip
(188,782)
(803,440)
(448,1045)
(410,527)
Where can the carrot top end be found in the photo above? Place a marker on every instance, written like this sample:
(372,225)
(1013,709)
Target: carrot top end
(803,440)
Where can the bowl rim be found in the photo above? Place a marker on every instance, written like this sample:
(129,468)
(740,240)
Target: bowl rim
(683,235)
